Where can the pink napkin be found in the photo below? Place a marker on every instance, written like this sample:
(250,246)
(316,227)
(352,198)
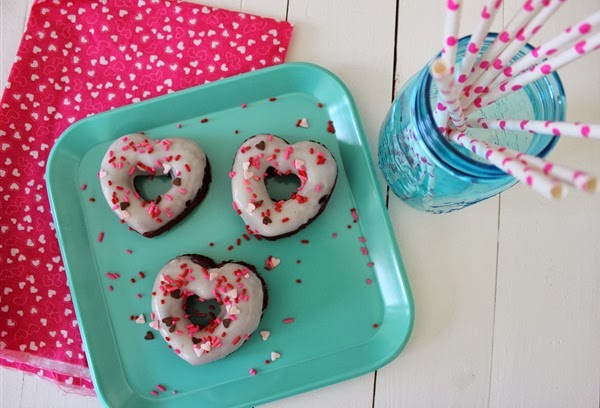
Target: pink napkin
(78,58)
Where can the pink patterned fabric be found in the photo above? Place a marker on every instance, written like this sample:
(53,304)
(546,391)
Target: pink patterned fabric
(78,58)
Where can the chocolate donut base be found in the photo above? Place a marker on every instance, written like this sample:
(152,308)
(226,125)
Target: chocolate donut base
(189,207)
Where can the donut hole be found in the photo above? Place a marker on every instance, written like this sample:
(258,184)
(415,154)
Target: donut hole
(202,313)
(281,186)
(149,187)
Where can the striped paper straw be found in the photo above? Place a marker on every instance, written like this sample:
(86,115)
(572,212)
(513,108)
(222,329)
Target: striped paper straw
(578,31)
(448,97)
(488,13)
(497,156)
(523,16)
(451,24)
(573,53)
(551,128)
(500,64)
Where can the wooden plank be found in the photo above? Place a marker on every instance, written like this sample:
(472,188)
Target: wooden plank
(354,40)
(450,260)
(11,385)
(12,19)
(547,316)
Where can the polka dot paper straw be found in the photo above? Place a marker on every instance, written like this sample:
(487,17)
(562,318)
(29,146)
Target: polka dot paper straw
(578,31)
(576,129)
(500,66)
(519,21)
(573,53)
(488,13)
(577,178)
(448,97)
(497,156)
(451,24)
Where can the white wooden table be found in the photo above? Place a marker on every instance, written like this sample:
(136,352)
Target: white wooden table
(516,323)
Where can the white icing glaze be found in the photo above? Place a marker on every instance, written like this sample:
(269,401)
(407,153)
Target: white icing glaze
(239,292)
(310,161)
(136,154)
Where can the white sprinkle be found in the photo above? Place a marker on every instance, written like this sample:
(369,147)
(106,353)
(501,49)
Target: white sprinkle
(124,214)
(232,294)
(155,324)
(265,334)
(275,261)
(205,346)
(275,355)
(251,207)
(248,174)
(140,319)
(303,123)
(298,163)
(233,310)
(167,167)
(212,276)
(102,174)
(246,165)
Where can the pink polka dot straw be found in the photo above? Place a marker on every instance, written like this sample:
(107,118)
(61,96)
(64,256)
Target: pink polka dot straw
(576,51)
(500,157)
(575,129)
(501,62)
(577,32)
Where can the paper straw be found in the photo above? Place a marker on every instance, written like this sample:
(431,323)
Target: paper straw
(538,181)
(488,13)
(520,20)
(578,31)
(451,24)
(448,97)
(551,128)
(573,53)
(501,63)
(580,179)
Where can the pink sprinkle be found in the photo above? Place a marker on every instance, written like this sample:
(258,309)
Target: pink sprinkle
(318,188)
(370,264)
(129,251)
(252,371)
(368,281)
(112,275)
(168,197)
(139,295)
(364,251)
(179,126)
(132,170)
(334,235)
(154,393)
(182,190)
(110,287)
(83,187)
(289,320)
(174,392)
(244,105)
(161,387)
(100,236)
(232,174)
(362,239)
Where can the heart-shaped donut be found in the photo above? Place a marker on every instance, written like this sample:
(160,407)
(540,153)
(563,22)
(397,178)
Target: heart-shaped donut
(136,155)
(260,156)
(239,290)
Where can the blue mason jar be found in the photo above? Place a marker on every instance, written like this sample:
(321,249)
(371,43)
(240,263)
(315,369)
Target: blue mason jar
(432,174)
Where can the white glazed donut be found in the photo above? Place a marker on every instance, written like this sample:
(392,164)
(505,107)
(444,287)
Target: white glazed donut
(136,154)
(257,156)
(237,287)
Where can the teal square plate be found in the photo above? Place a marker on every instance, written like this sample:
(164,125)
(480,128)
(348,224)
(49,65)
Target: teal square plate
(341,279)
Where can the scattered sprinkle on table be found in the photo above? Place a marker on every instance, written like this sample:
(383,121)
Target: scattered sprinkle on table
(265,334)
(100,236)
(288,320)
(252,371)
(83,187)
(272,99)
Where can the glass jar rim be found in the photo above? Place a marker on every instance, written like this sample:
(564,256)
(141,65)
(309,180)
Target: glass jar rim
(436,142)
